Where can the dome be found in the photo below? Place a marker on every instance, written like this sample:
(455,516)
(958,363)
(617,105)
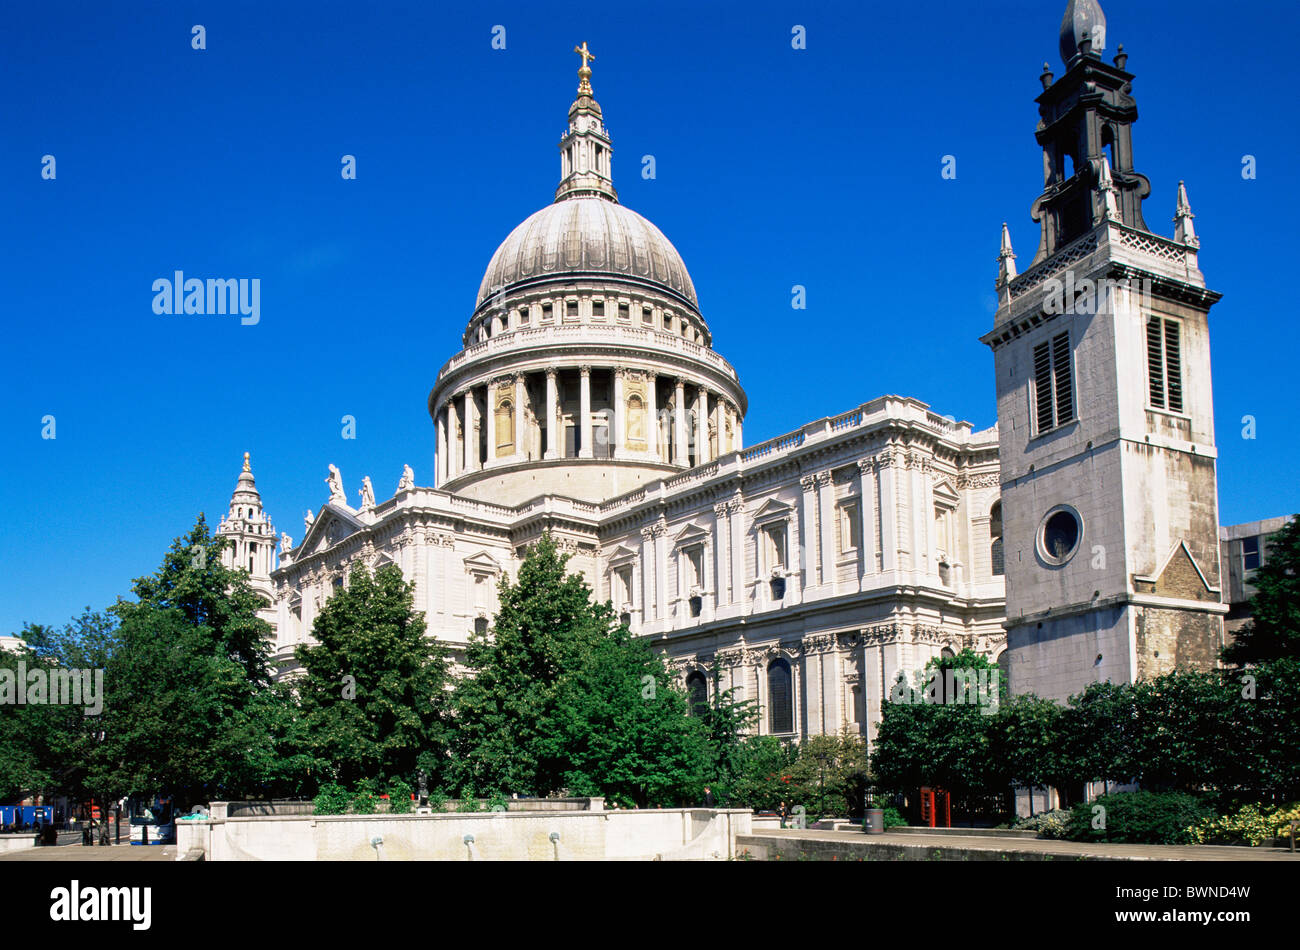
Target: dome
(587,235)
(1082,18)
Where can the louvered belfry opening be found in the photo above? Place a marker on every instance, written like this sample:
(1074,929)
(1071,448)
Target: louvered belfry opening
(1053,384)
(1164,364)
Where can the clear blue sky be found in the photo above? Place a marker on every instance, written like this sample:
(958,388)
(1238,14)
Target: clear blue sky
(775,167)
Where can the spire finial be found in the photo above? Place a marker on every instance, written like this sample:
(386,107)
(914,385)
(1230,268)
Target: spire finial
(1106,186)
(585,150)
(584,71)
(1184,231)
(246,466)
(1006,258)
(1083,30)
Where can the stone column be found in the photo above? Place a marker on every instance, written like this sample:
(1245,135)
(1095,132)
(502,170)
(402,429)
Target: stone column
(738,531)
(888,513)
(649,594)
(552,413)
(617,421)
(808,546)
(455,453)
(440,470)
(471,434)
(679,425)
(661,563)
(701,425)
(491,414)
(717,418)
(652,416)
(740,441)
(721,548)
(829,527)
(866,519)
(519,414)
(584,412)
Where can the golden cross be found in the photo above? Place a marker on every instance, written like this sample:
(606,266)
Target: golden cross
(584,53)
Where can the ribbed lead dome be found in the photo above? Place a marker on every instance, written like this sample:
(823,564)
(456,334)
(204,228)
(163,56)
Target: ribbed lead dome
(588,235)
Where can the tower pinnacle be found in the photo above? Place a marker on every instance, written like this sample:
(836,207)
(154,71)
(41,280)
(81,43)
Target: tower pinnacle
(586,153)
(1184,231)
(584,71)
(1083,30)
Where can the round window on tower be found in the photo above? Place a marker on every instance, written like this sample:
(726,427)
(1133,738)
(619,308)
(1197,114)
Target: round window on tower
(1059,535)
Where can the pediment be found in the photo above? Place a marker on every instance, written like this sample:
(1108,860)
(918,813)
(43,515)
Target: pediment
(1179,576)
(621,554)
(332,525)
(944,490)
(482,563)
(690,534)
(772,510)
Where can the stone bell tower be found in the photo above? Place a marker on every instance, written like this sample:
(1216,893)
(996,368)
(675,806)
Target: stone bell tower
(1105,412)
(251,535)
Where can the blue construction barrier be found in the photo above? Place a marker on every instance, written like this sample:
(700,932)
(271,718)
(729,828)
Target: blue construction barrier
(27,816)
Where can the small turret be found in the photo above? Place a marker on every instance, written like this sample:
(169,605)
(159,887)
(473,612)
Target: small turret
(250,532)
(1184,231)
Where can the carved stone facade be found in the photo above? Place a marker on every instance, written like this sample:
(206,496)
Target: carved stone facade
(806,572)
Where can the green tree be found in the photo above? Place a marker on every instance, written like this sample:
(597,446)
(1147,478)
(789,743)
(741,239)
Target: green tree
(1274,628)
(373,702)
(624,730)
(185,711)
(507,708)
(762,776)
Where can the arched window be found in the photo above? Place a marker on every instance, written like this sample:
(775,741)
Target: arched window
(996,557)
(697,692)
(780,697)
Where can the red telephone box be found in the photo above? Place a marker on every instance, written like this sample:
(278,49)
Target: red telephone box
(936,808)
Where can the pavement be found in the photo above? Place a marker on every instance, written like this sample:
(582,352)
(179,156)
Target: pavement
(78,852)
(1071,849)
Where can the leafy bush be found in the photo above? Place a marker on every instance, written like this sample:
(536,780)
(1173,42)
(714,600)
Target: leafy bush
(399,797)
(1250,825)
(1139,818)
(893,819)
(1048,824)
(497,802)
(437,800)
(366,800)
(468,803)
(332,800)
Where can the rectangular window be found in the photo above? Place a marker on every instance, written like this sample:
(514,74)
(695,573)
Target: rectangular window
(523,316)
(546,313)
(622,587)
(1053,384)
(623,311)
(571,309)
(1250,553)
(774,544)
(647,316)
(598,308)
(694,567)
(850,526)
(1164,365)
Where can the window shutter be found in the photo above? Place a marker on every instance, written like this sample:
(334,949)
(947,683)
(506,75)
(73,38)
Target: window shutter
(1155,364)
(1064,384)
(1173,367)
(1042,387)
